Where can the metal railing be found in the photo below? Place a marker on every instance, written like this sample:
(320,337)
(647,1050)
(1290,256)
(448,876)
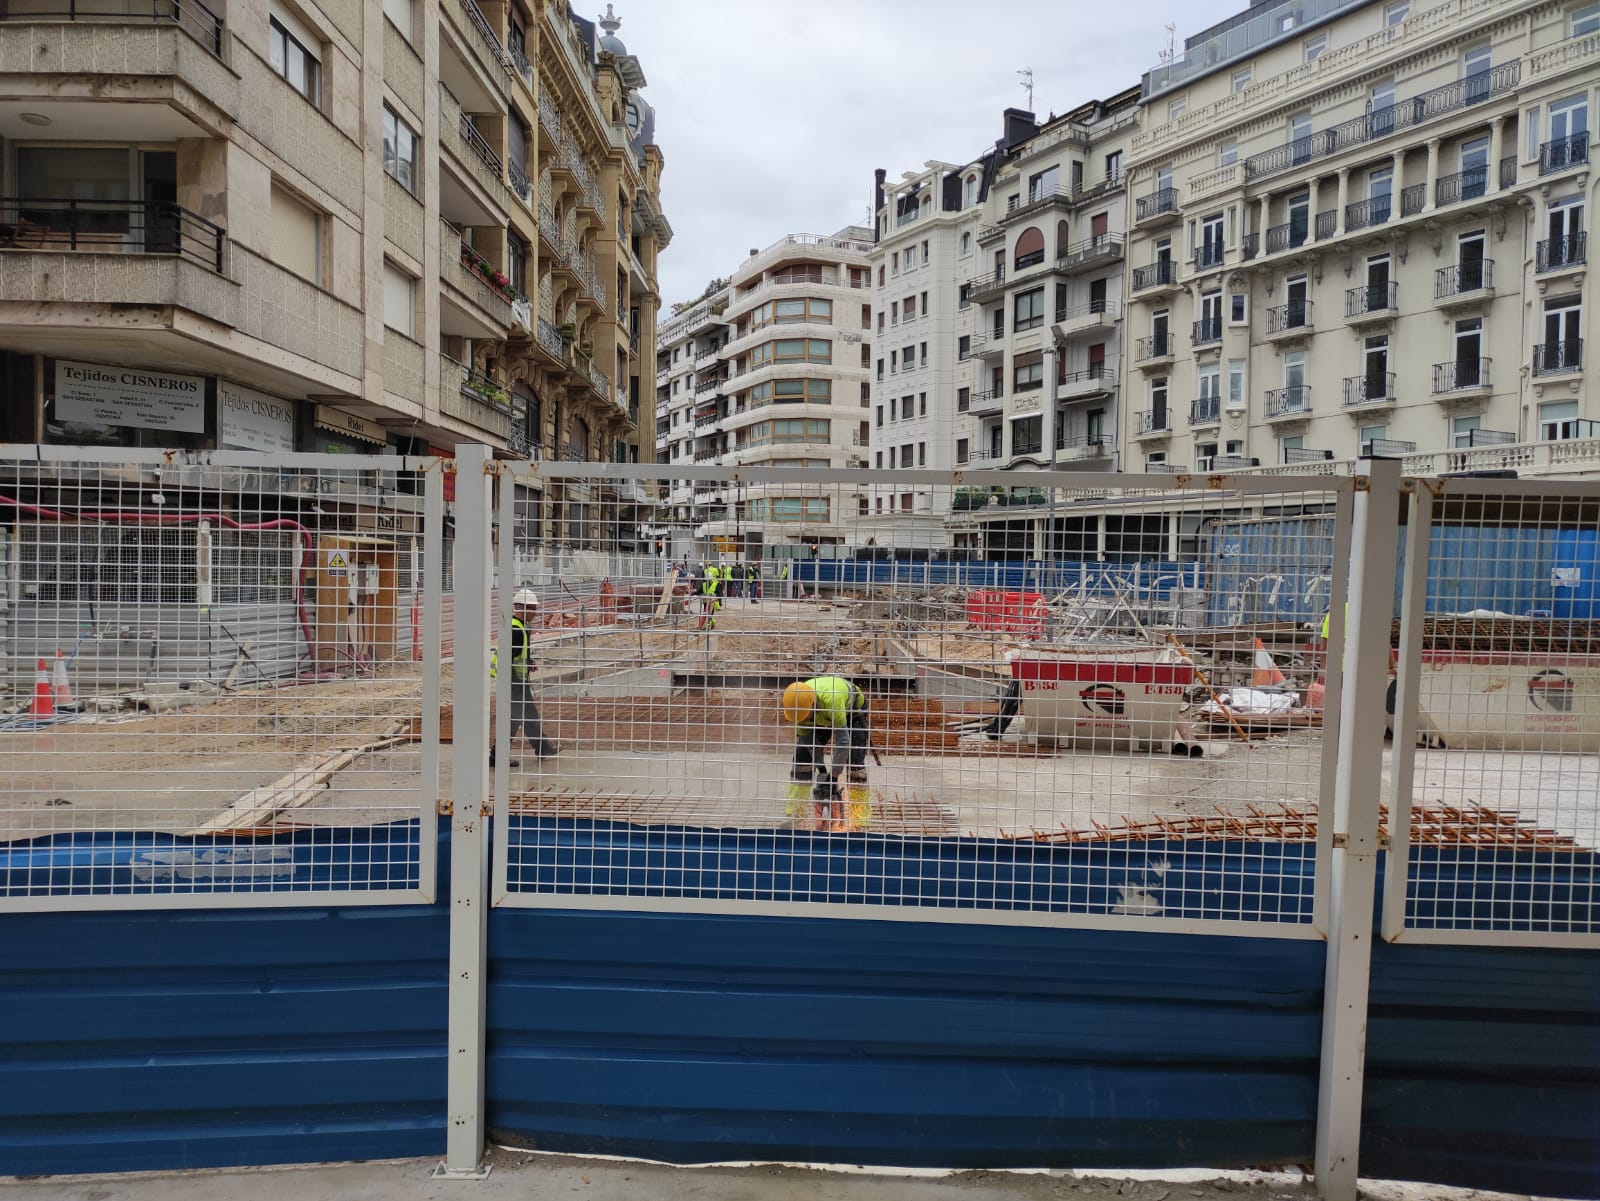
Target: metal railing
(1094,308)
(1463,278)
(1292,401)
(1153,421)
(519,60)
(1381,122)
(1286,318)
(1156,346)
(1557,358)
(1364,214)
(1206,330)
(1555,253)
(1160,273)
(1327,221)
(1413,199)
(1508,171)
(550,338)
(191,16)
(1470,184)
(1205,410)
(110,227)
(486,32)
(1208,255)
(1460,375)
(480,147)
(549,116)
(1558,155)
(1250,245)
(1373,387)
(519,184)
(1371,298)
(1289,235)
(1101,374)
(1090,250)
(1158,203)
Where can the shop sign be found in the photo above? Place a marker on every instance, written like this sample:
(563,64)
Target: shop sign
(340,422)
(95,394)
(253,420)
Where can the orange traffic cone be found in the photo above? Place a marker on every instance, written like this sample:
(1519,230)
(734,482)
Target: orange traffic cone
(1266,674)
(43,704)
(60,686)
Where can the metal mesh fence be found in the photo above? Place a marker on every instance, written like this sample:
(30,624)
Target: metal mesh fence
(213,679)
(1496,713)
(1100,700)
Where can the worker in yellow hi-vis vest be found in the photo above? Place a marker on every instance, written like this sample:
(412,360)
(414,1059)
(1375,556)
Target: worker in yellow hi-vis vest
(829,710)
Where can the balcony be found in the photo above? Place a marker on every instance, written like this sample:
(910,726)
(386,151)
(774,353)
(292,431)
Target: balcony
(990,233)
(1095,317)
(1413,199)
(158,63)
(111,227)
(472,63)
(1092,252)
(1090,446)
(1158,208)
(1562,153)
(1152,423)
(474,400)
(1291,235)
(521,186)
(1469,283)
(1461,379)
(1038,201)
(1206,332)
(987,345)
(477,300)
(990,401)
(1209,256)
(710,383)
(1154,351)
(1157,278)
(1365,214)
(472,188)
(1207,410)
(1471,184)
(984,287)
(1289,404)
(1418,110)
(1249,246)
(1289,322)
(1365,391)
(1562,254)
(707,420)
(1094,383)
(1374,304)
(1558,358)
(556,348)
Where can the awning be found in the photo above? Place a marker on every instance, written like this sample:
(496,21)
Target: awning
(348,424)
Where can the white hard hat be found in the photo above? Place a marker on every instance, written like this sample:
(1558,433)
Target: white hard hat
(525,596)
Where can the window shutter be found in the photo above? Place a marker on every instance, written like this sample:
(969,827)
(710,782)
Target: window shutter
(399,301)
(296,236)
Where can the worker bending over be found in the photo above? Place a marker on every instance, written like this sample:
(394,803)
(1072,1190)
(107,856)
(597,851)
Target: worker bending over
(824,710)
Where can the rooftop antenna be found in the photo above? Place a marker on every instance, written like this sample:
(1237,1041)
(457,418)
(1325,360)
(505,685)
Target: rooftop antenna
(1027,84)
(1171,51)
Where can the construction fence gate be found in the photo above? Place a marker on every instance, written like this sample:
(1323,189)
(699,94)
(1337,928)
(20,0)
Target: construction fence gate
(360,807)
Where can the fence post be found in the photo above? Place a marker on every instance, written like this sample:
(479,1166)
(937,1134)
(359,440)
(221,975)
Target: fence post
(1358,779)
(469,836)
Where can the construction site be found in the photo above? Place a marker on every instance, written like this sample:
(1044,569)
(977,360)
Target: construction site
(1075,701)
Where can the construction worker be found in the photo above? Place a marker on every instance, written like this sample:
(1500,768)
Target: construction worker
(709,602)
(753,580)
(823,710)
(524,714)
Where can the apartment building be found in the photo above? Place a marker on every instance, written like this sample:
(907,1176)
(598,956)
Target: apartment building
(778,361)
(1359,226)
(927,226)
(326,226)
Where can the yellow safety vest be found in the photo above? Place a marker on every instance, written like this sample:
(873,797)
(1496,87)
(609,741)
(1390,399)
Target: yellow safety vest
(837,698)
(519,661)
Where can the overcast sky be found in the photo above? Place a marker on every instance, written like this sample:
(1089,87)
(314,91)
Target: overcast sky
(772,114)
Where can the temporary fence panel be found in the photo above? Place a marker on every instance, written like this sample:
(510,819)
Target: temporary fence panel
(214,679)
(1082,766)
(1496,721)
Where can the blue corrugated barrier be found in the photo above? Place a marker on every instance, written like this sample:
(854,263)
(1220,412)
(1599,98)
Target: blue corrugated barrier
(163,1039)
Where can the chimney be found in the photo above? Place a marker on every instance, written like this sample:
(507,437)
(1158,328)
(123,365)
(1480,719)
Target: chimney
(1020,126)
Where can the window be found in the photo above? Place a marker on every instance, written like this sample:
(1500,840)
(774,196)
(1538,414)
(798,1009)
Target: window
(1241,79)
(911,257)
(289,51)
(1558,420)
(1314,46)
(925,252)
(1028,310)
(1586,20)
(922,404)
(963,399)
(880,411)
(905,455)
(1175,108)
(1114,165)
(962,450)
(1569,134)
(399,300)
(1030,248)
(966,244)
(1463,429)
(1227,154)
(1028,377)
(1394,13)
(880,321)
(894,263)
(1205,455)
(296,236)
(400,151)
(866,316)
(972,189)
(1238,309)
(1236,384)
(1296,396)
(1045,183)
(894,312)
(910,308)
(1210,250)
(399,14)
(922,454)
(908,357)
(964,347)
(1300,137)
(1475,65)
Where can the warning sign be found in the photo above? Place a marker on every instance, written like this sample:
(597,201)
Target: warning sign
(338,563)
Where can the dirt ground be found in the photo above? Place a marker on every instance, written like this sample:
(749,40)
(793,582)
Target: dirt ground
(516,1174)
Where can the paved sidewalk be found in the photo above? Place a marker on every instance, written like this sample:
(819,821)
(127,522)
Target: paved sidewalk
(523,1175)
